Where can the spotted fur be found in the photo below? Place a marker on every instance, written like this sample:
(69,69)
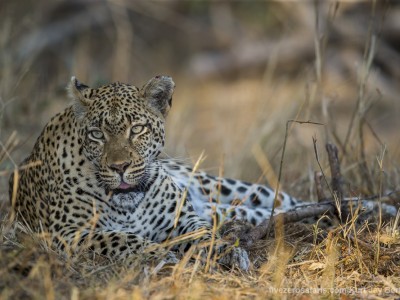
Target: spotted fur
(229,198)
(94,179)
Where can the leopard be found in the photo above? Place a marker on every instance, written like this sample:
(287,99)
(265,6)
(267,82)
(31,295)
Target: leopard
(94,180)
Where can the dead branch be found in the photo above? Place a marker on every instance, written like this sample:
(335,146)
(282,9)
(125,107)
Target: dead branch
(320,167)
(248,237)
(335,171)
(318,186)
(364,169)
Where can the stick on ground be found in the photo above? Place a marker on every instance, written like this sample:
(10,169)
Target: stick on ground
(259,232)
(335,171)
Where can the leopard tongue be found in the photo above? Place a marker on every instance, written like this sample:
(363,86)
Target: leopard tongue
(124,186)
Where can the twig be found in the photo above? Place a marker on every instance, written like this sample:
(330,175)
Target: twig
(247,239)
(385,197)
(374,134)
(363,163)
(318,186)
(281,164)
(319,164)
(378,231)
(335,171)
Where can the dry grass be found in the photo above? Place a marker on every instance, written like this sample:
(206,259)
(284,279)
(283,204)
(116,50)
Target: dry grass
(340,264)
(240,124)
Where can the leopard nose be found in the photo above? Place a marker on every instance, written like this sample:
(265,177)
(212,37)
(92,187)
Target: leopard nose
(120,168)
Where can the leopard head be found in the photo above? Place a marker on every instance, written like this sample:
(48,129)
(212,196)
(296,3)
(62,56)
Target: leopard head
(121,128)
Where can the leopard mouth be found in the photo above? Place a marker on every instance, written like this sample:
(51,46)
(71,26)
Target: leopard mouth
(128,196)
(140,184)
(126,188)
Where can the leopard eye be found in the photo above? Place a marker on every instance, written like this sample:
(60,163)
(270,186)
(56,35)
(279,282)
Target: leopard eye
(96,134)
(137,129)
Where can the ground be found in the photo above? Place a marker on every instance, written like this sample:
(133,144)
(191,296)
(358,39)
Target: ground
(288,266)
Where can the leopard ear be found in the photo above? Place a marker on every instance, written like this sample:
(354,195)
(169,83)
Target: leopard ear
(80,94)
(158,93)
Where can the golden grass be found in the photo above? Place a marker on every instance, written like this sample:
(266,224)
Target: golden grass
(287,267)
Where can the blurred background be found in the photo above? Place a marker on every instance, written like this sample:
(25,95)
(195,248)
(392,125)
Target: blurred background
(242,69)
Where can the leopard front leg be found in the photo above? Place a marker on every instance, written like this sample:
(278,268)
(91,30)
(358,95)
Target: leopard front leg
(228,255)
(189,222)
(115,245)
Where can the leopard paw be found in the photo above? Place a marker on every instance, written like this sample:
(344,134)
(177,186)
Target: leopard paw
(238,258)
